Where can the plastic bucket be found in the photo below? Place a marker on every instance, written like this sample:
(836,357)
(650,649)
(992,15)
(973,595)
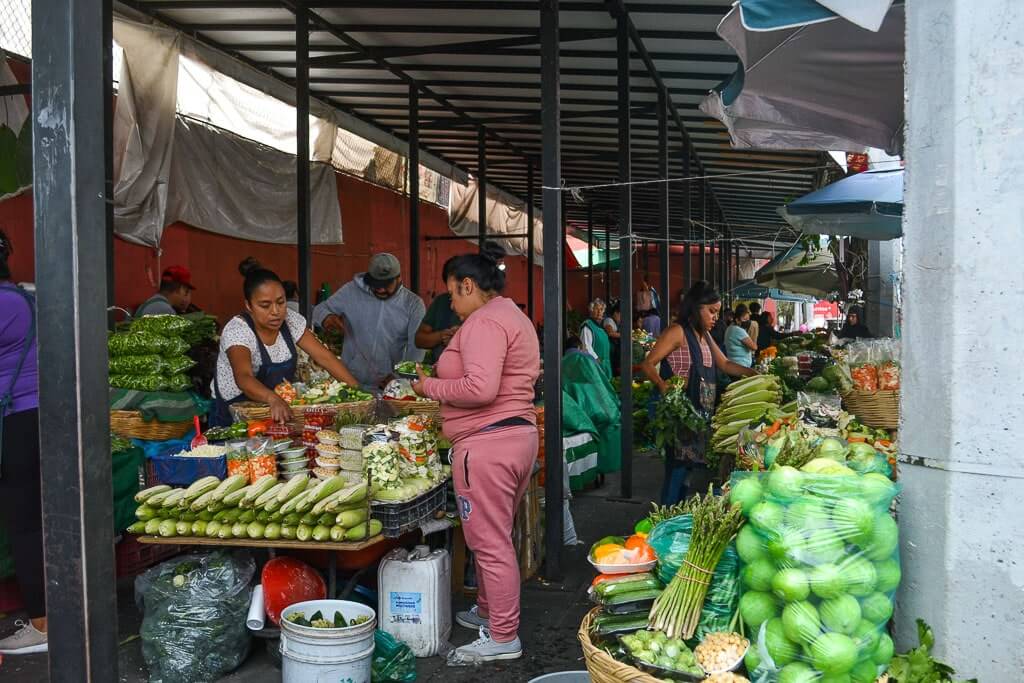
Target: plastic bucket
(564,677)
(312,655)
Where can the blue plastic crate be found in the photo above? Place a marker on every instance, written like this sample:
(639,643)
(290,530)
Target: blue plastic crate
(179,471)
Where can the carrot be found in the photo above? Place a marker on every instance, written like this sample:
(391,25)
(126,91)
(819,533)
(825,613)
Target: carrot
(773,428)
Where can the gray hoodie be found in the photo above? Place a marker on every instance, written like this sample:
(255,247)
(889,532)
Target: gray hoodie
(378,333)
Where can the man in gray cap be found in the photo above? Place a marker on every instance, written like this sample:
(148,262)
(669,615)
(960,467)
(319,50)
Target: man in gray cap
(378,318)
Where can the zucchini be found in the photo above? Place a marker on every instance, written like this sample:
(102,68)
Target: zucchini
(168,528)
(183,528)
(201,502)
(199,528)
(337,533)
(275,517)
(188,516)
(364,530)
(292,488)
(263,516)
(247,516)
(137,528)
(143,495)
(157,499)
(212,528)
(235,497)
(287,532)
(206,516)
(350,518)
(271,494)
(255,530)
(293,504)
(225,532)
(626,584)
(321,533)
(308,519)
(272,531)
(153,526)
(610,624)
(291,519)
(230,485)
(232,515)
(173,498)
(145,513)
(262,485)
(303,532)
(273,505)
(201,486)
(239,530)
(321,506)
(326,519)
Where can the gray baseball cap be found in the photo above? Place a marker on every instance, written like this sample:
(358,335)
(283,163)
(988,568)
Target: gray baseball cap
(383,269)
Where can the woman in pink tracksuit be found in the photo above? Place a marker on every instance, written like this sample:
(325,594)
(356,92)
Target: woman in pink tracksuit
(484,382)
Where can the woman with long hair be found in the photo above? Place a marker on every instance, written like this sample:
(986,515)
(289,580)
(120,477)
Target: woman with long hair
(484,383)
(257,348)
(688,351)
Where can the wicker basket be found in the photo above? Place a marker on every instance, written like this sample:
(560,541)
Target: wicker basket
(403,408)
(878,409)
(129,424)
(250,410)
(602,667)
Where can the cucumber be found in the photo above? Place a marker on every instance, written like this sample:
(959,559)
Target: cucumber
(137,528)
(230,485)
(212,528)
(321,533)
(153,526)
(183,528)
(350,518)
(235,497)
(143,495)
(337,533)
(270,495)
(145,513)
(255,530)
(272,531)
(287,532)
(168,528)
(303,532)
(239,530)
(199,528)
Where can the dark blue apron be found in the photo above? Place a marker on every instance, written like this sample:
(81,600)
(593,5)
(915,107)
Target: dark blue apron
(269,375)
(7,398)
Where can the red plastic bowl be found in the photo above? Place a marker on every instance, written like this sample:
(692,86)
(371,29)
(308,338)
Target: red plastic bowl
(287,581)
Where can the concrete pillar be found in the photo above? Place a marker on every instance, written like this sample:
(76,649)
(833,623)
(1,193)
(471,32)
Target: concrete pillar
(882,283)
(963,388)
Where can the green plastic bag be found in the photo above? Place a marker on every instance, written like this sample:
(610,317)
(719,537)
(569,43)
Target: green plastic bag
(135,343)
(145,364)
(161,324)
(176,365)
(139,382)
(393,661)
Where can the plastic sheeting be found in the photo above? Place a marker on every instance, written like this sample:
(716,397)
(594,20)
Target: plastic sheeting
(226,184)
(506,215)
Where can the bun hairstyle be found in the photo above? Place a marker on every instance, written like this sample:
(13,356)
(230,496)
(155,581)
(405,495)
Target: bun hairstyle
(6,249)
(255,276)
(481,268)
(702,293)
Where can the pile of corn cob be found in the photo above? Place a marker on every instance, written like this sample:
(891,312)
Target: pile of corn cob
(744,402)
(303,509)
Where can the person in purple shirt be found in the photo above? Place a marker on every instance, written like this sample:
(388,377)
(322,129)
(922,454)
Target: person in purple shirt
(20,497)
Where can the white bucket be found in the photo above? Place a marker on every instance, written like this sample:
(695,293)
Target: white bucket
(327,655)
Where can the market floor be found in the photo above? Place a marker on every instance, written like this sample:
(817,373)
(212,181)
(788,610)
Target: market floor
(551,613)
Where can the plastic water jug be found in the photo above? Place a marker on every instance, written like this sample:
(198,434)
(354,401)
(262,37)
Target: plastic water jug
(415,598)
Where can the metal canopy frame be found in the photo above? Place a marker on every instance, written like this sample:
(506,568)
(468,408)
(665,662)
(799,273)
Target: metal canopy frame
(591,94)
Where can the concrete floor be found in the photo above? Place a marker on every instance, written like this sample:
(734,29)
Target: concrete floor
(551,613)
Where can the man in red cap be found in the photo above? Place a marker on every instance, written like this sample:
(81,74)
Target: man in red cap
(175,294)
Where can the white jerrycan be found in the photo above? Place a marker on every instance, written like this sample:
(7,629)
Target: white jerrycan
(414,601)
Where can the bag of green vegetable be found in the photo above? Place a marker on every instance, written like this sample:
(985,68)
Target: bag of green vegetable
(174,365)
(819,570)
(151,382)
(145,364)
(194,609)
(670,540)
(135,343)
(166,325)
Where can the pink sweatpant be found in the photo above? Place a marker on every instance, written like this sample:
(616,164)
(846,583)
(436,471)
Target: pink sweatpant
(491,471)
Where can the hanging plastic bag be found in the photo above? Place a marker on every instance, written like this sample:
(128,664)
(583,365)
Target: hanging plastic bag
(195,606)
(393,661)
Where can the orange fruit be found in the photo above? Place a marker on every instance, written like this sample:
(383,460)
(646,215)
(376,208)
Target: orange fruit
(636,541)
(602,552)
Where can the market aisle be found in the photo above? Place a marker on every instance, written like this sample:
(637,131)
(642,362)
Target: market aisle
(551,613)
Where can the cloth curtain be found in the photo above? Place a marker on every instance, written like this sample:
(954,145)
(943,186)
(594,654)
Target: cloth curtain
(506,215)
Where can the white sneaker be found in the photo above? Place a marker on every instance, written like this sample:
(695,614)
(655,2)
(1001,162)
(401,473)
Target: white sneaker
(25,641)
(483,649)
(471,619)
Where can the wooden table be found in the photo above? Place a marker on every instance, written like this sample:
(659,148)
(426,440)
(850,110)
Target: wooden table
(272,545)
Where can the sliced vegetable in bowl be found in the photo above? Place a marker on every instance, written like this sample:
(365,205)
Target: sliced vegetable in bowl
(407,369)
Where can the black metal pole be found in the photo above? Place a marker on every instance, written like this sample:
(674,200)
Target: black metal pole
(608,264)
(529,241)
(414,188)
(625,257)
(69,169)
(562,263)
(663,217)
(688,212)
(302,197)
(108,141)
(590,252)
(551,153)
(481,187)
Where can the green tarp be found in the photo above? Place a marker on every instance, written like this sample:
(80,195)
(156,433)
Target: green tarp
(584,382)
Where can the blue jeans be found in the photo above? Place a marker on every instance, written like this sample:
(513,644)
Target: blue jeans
(673,487)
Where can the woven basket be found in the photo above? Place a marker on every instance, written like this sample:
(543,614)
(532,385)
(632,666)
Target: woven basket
(878,409)
(602,667)
(129,424)
(403,408)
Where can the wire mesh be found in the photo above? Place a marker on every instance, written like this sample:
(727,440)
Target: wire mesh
(16,27)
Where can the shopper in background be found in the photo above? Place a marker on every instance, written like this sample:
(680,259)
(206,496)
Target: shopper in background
(651,323)
(721,325)
(690,352)
(854,327)
(257,348)
(291,293)
(174,297)
(593,337)
(484,383)
(739,347)
(610,324)
(767,335)
(440,322)
(20,494)
(378,318)
(753,325)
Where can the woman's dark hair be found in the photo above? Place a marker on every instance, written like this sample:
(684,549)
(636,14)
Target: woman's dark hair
(481,268)
(291,289)
(572,342)
(6,249)
(446,269)
(255,276)
(702,293)
(741,310)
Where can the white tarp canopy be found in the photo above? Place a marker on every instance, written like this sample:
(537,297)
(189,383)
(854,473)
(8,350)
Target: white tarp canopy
(506,215)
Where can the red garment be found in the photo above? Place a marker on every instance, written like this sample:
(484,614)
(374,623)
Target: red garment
(679,359)
(491,471)
(488,371)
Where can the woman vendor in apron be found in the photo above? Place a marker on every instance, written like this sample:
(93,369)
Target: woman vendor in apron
(257,348)
(686,349)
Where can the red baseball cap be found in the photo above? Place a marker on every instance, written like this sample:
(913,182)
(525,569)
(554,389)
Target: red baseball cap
(179,275)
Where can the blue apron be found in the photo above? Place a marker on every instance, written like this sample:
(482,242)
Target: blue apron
(269,375)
